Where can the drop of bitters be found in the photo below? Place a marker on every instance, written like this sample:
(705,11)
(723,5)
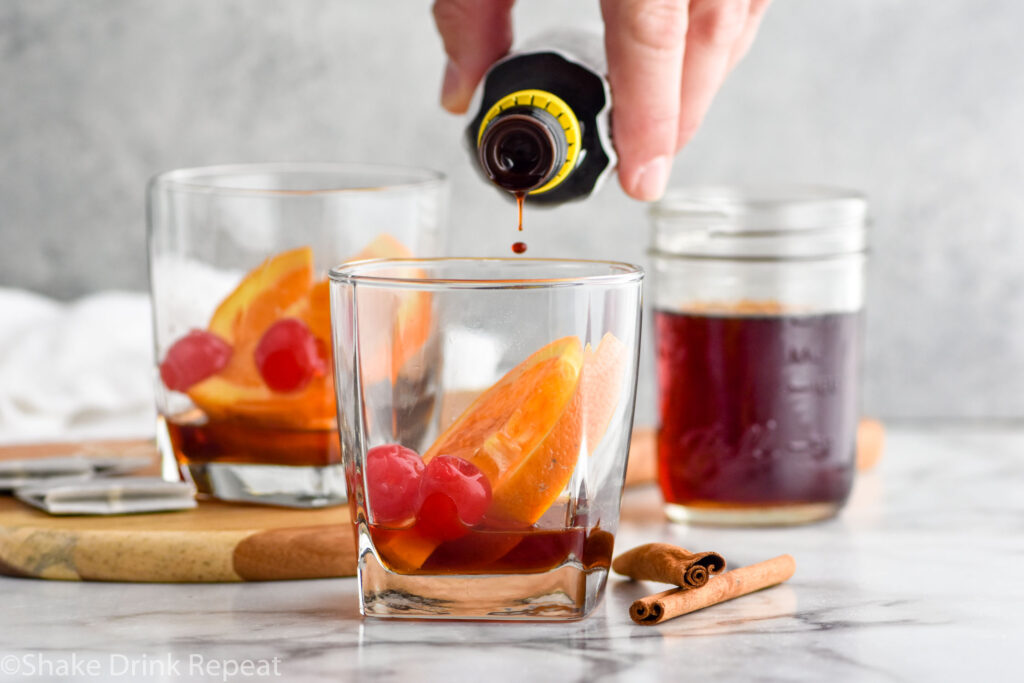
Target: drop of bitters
(519,247)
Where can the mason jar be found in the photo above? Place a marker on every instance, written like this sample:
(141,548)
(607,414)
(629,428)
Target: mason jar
(758,300)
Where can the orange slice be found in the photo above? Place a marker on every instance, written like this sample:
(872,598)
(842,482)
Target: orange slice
(261,298)
(314,309)
(406,313)
(515,415)
(281,286)
(269,288)
(383,246)
(601,384)
(527,431)
(530,481)
(511,420)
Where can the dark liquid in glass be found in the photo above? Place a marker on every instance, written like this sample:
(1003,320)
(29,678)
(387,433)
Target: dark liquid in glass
(757,410)
(248,443)
(499,551)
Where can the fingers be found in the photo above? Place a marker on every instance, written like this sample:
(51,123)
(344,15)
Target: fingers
(714,28)
(475,34)
(644,40)
(666,61)
(746,39)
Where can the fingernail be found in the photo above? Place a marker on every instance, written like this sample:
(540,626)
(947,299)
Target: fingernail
(649,182)
(451,87)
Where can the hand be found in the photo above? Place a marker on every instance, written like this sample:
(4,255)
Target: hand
(666,61)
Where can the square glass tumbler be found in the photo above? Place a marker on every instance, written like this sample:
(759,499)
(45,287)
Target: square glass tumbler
(238,265)
(485,416)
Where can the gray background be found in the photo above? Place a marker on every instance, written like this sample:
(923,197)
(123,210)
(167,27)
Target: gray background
(919,103)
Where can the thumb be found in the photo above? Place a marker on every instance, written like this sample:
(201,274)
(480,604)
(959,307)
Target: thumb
(475,35)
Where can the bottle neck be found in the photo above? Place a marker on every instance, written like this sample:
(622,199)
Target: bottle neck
(522,149)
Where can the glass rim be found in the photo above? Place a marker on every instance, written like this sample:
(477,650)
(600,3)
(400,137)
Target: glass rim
(198,178)
(619,273)
(726,199)
(773,220)
(655,253)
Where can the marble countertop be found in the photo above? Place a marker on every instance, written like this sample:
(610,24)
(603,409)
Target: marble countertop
(918,579)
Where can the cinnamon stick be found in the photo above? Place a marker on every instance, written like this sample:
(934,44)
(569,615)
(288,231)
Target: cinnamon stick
(668,564)
(675,602)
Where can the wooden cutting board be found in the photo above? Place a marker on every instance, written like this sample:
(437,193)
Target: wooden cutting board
(212,543)
(217,541)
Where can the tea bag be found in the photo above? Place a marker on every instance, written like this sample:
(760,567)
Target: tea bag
(17,473)
(108,496)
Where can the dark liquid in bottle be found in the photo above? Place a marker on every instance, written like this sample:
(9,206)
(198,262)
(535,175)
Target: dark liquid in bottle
(519,154)
(520,247)
(757,410)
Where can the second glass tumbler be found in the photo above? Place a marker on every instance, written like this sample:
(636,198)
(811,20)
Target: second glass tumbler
(238,265)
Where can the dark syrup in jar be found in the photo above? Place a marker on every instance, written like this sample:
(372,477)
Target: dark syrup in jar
(756,410)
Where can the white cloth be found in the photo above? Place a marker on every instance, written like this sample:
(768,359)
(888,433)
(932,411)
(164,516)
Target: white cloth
(75,370)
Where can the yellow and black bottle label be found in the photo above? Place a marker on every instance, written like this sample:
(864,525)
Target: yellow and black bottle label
(556,107)
(541,122)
